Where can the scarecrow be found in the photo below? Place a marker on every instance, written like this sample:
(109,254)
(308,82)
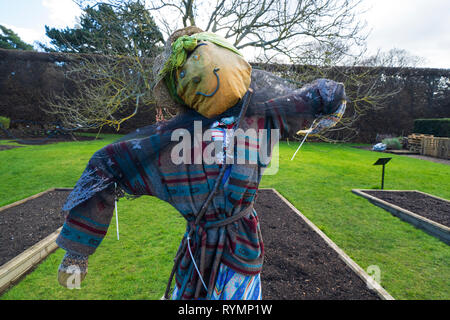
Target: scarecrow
(207,79)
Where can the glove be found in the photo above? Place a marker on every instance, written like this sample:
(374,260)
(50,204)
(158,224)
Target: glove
(334,102)
(327,121)
(72,270)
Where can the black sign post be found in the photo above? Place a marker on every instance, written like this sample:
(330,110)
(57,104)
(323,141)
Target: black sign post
(382,161)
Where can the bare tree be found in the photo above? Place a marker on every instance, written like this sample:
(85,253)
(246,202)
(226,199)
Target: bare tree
(283,29)
(105,91)
(397,58)
(311,38)
(371,83)
(113,80)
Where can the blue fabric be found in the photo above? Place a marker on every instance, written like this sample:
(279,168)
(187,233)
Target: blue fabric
(231,285)
(80,237)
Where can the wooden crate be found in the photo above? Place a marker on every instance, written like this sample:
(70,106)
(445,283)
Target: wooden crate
(443,148)
(415,142)
(429,145)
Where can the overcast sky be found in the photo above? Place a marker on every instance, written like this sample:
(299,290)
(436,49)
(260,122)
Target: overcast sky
(422,27)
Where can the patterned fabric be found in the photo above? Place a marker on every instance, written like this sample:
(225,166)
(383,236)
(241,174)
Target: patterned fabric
(72,270)
(222,133)
(144,166)
(71,260)
(87,224)
(231,285)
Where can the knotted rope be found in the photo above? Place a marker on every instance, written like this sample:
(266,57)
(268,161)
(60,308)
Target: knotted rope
(199,216)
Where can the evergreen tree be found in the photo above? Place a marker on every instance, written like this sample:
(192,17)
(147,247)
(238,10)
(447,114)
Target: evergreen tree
(105,29)
(10,40)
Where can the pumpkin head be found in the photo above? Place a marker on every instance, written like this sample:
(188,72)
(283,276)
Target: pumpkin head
(204,72)
(213,79)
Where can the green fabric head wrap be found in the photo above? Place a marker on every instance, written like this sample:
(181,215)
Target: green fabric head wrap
(180,50)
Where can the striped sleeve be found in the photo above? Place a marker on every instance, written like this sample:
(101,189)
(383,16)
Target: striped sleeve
(87,224)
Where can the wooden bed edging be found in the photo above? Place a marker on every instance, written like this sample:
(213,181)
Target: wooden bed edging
(431,227)
(15,268)
(381,292)
(33,197)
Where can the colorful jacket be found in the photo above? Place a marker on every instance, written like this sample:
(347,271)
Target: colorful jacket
(142,167)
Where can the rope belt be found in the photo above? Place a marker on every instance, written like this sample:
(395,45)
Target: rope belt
(226,221)
(212,224)
(186,246)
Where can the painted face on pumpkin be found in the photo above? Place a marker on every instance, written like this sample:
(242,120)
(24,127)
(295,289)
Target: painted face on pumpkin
(213,79)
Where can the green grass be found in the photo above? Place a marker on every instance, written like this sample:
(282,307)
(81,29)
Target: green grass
(414,265)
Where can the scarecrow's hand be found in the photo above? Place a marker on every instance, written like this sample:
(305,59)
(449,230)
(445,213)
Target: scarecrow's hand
(332,94)
(294,111)
(325,101)
(72,270)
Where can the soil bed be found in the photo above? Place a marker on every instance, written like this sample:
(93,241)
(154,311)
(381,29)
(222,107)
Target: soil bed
(418,203)
(41,141)
(7,147)
(19,137)
(24,225)
(299,264)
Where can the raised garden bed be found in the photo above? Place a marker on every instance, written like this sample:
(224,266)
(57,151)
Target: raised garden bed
(425,211)
(301,262)
(28,230)
(45,140)
(7,147)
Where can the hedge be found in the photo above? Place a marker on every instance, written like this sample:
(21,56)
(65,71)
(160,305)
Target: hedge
(436,127)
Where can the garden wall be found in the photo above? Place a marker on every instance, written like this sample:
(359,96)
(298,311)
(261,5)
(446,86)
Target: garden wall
(28,78)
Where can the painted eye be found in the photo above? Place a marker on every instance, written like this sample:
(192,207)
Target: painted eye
(182,74)
(196,79)
(196,57)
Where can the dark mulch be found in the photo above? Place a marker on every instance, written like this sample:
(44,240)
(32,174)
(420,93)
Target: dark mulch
(299,264)
(7,147)
(418,203)
(19,137)
(24,225)
(43,140)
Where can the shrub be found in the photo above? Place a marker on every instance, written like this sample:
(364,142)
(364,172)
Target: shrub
(393,143)
(436,127)
(4,122)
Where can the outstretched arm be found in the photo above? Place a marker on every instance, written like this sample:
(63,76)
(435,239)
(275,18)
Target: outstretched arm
(289,112)
(86,224)
(83,231)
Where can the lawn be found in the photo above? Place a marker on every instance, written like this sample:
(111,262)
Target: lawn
(413,264)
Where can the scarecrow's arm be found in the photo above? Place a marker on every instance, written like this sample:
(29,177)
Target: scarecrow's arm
(86,224)
(83,231)
(289,112)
